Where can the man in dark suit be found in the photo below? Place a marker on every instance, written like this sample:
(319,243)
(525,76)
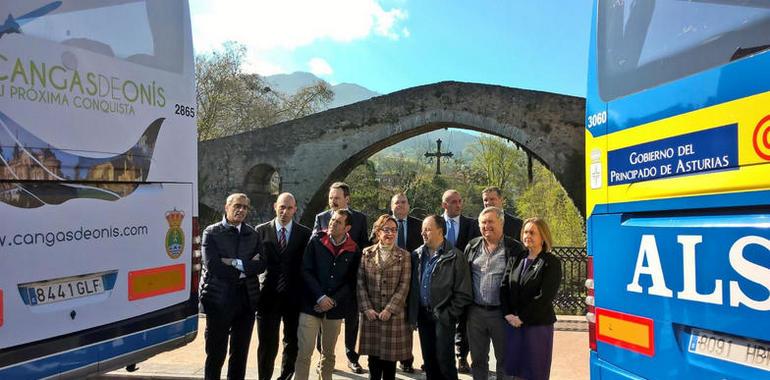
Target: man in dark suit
(459,231)
(339,199)
(282,245)
(493,197)
(409,234)
(230,288)
(409,238)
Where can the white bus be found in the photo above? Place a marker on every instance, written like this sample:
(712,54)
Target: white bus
(99,253)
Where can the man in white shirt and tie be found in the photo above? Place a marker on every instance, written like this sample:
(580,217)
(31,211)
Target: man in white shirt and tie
(459,231)
(409,238)
(283,243)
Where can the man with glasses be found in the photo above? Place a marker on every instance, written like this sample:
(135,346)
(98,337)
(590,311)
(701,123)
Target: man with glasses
(230,288)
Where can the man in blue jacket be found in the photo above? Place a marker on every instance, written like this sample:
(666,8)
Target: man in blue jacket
(329,270)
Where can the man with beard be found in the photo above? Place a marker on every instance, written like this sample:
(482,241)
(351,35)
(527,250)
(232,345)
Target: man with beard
(339,199)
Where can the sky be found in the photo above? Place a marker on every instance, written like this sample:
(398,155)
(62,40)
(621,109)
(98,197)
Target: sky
(389,45)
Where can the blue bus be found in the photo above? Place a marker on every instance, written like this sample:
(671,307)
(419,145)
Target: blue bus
(678,189)
(99,250)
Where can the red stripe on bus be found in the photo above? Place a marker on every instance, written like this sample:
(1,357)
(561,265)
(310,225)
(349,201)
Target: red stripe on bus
(153,282)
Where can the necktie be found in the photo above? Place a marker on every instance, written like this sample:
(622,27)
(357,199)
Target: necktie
(282,238)
(401,234)
(450,232)
(282,276)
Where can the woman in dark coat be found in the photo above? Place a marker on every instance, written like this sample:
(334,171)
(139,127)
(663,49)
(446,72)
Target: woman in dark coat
(383,286)
(528,288)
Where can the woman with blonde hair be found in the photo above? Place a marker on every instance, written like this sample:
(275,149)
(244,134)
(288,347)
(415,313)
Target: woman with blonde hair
(528,289)
(383,285)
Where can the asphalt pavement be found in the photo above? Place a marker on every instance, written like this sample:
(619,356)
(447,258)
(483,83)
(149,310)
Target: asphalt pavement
(570,358)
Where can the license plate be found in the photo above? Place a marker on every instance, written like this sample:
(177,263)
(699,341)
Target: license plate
(44,293)
(729,348)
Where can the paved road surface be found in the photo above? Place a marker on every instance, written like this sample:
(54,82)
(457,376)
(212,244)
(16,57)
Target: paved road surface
(570,359)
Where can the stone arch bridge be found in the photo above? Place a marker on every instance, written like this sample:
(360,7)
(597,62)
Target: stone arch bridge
(305,156)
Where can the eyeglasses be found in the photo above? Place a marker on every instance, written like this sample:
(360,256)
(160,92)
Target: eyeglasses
(389,230)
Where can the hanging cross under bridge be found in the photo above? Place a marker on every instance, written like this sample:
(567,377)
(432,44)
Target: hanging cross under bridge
(438,154)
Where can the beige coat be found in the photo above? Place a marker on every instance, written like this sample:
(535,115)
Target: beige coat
(385,285)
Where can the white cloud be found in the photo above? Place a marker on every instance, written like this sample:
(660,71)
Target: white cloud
(319,67)
(263,25)
(253,64)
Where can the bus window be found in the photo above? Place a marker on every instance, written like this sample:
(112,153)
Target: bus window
(642,44)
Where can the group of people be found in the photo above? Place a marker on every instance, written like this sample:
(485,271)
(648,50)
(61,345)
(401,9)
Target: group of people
(462,283)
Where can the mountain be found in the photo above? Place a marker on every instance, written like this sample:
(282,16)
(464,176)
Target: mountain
(452,140)
(344,93)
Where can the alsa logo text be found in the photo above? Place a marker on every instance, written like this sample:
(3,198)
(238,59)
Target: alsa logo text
(648,253)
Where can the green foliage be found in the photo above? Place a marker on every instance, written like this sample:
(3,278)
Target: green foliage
(499,163)
(231,101)
(547,199)
(491,162)
(366,195)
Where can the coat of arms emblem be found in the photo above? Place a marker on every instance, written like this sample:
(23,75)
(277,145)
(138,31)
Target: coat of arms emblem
(175,234)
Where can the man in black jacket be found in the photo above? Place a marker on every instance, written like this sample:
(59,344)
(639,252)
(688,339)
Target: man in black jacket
(329,269)
(487,258)
(339,199)
(439,293)
(459,231)
(230,288)
(283,243)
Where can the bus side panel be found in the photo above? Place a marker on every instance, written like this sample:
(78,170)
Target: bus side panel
(104,262)
(675,273)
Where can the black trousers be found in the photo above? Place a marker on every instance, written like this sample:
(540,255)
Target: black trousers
(268,325)
(381,369)
(234,324)
(436,341)
(461,338)
(351,337)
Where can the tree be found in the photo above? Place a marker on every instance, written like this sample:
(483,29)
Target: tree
(500,164)
(547,199)
(231,101)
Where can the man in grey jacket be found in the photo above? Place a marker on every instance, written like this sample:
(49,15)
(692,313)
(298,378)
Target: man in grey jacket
(439,294)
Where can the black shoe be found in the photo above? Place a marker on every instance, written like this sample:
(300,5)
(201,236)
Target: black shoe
(355,367)
(462,366)
(287,376)
(407,368)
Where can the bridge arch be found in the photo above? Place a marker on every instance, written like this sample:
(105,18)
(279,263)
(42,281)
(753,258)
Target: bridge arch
(312,152)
